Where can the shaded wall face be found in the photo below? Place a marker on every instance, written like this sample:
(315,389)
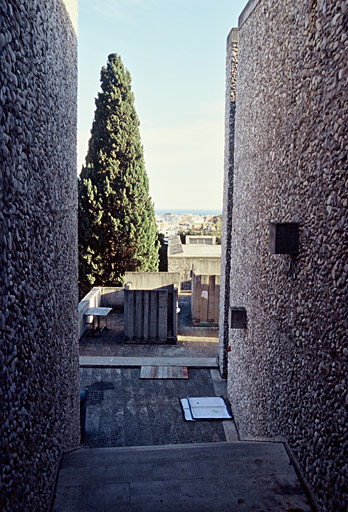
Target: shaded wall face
(288,370)
(38,249)
(230,111)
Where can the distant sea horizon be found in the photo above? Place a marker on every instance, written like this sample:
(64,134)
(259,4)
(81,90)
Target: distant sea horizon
(193,211)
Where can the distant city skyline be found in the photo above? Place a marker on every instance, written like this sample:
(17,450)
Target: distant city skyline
(171,223)
(175,53)
(193,211)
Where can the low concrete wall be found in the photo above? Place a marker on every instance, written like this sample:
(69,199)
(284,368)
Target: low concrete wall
(185,266)
(137,315)
(91,300)
(109,297)
(151,280)
(201,258)
(207,266)
(205,299)
(112,297)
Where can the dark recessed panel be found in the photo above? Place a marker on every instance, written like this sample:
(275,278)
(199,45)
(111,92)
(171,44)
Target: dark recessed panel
(283,238)
(238,318)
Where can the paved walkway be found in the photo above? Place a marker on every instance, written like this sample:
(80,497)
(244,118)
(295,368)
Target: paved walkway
(140,455)
(130,411)
(213,477)
(125,410)
(192,341)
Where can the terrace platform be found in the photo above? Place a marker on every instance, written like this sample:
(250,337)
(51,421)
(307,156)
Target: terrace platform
(193,342)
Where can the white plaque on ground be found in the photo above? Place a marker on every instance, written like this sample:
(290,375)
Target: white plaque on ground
(205,408)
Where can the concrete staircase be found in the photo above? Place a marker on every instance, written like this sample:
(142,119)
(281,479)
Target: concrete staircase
(235,476)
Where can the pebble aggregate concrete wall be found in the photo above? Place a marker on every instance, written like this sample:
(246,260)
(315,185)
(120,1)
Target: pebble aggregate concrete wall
(226,232)
(288,369)
(38,249)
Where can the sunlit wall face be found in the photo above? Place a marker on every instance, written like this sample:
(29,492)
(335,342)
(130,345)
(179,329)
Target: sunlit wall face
(287,368)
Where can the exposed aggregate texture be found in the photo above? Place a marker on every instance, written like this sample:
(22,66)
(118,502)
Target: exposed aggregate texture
(288,369)
(38,249)
(230,113)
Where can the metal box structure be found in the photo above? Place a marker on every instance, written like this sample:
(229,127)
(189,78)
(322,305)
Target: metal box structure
(150,313)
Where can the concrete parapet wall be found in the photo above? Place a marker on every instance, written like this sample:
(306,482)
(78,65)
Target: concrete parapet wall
(203,258)
(112,297)
(91,300)
(108,296)
(151,280)
(184,266)
(205,296)
(207,266)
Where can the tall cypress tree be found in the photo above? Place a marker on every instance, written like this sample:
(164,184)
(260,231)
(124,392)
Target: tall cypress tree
(117,228)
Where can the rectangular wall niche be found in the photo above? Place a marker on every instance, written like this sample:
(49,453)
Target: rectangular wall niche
(284,238)
(238,318)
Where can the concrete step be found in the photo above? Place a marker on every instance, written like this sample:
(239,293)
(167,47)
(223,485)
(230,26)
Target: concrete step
(237,476)
(129,362)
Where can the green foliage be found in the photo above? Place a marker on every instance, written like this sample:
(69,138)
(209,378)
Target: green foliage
(117,228)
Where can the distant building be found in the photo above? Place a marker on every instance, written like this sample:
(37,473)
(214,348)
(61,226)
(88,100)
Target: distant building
(169,217)
(200,240)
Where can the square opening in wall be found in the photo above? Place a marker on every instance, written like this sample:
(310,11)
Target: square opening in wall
(284,238)
(238,318)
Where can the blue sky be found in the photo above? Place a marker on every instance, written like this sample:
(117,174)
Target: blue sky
(175,53)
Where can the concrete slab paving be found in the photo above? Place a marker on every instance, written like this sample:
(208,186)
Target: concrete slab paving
(140,412)
(220,389)
(139,453)
(118,362)
(238,476)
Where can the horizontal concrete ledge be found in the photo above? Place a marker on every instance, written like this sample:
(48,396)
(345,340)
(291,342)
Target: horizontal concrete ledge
(248,9)
(254,439)
(111,362)
(150,448)
(239,445)
(232,37)
(199,339)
